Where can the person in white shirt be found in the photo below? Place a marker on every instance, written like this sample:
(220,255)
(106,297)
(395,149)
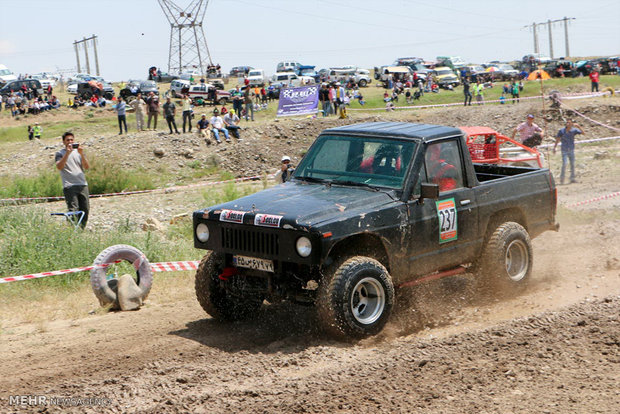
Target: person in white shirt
(217,124)
(231,120)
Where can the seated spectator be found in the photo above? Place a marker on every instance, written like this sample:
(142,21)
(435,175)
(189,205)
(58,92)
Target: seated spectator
(203,127)
(217,126)
(231,120)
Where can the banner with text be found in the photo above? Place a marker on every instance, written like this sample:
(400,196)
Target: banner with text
(298,101)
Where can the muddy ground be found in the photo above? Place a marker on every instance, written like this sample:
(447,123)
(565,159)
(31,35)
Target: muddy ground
(554,348)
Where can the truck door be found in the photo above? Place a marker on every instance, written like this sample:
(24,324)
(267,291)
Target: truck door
(443,232)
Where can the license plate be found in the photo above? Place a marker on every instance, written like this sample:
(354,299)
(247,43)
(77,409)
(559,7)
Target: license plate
(253,263)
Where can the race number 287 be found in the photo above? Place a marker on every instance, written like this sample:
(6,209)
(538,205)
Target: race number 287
(446,212)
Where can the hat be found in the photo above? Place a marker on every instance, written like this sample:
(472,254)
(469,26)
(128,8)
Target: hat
(285,158)
(530,116)
(337,83)
(216,111)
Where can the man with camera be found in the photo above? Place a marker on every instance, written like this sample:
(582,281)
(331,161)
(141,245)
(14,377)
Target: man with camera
(71,162)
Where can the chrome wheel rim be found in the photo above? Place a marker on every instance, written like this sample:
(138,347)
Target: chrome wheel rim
(367,301)
(517,260)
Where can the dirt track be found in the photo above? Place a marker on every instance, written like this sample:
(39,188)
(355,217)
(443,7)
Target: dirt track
(552,349)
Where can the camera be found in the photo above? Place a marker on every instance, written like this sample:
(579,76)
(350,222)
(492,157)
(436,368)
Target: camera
(75,146)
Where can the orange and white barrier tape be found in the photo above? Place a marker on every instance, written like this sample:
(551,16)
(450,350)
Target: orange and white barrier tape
(155,267)
(595,199)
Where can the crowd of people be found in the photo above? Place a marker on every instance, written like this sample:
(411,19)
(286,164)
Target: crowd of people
(29,101)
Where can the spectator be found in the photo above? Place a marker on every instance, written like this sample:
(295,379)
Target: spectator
(231,121)
(203,128)
(340,100)
(324,99)
(187,112)
(217,126)
(566,136)
(332,98)
(138,105)
(152,103)
(285,171)
(121,108)
(71,162)
(514,91)
(478,92)
(530,133)
(263,95)
(237,101)
(1,97)
(466,92)
(30,133)
(170,110)
(36,131)
(594,76)
(248,100)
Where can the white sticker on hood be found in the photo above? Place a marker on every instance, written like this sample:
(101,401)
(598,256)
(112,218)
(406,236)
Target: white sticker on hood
(267,220)
(232,216)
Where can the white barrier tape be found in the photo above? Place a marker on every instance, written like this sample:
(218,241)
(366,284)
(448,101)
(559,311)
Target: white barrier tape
(592,200)
(155,267)
(208,183)
(590,119)
(507,100)
(584,141)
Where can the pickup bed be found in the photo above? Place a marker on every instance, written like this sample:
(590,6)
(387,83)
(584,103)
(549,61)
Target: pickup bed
(370,208)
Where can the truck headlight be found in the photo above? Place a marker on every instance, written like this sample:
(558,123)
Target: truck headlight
(304,246)
(202,232)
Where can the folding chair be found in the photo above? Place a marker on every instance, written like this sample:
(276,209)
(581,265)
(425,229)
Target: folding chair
(71,216)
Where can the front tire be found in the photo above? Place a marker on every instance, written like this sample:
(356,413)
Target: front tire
(213,296)
(507,259)
(363,83)
(355,298)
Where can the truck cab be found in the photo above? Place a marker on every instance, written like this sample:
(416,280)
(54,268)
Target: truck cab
(370,208)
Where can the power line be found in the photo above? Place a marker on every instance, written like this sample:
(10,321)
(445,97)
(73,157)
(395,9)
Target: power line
(549,24)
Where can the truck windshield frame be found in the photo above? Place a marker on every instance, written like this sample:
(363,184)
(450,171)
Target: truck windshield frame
(355,160)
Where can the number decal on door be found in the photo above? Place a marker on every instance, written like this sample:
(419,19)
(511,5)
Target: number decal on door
(446,212)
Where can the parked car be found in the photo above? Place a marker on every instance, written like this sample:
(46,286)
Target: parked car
(257,77)
(177,87)
(384,73)
(86,90)
(306,70)
(134,87)
(453,62)
(6,75)
(45,82)
(287,66)
(166,77)
(360,76)
(508,72)
(187,75)
(560,68)
(16,85)
(290,78)
(372,208)
(240,71)
(201,90)
(445,77)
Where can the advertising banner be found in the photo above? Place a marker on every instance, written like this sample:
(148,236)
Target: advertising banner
(298,101)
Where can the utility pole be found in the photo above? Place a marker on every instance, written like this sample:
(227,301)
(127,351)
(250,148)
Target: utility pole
(535,38)
(566,35)
(550,39)
(96,56)
(84,43)
(535,27)
(77,56)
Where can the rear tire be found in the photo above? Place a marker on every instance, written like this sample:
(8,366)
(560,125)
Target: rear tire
(213,296)
(506,261)
(362,83)
(355,298)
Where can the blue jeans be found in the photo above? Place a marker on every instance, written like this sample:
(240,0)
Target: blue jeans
(568,156)
(216,132)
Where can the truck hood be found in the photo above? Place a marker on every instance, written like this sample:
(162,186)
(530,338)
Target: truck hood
(299,205)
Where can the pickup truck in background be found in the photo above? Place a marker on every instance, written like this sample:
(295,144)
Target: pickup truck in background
(370,208)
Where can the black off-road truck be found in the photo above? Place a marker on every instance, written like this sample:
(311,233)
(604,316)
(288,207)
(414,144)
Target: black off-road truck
(371,207)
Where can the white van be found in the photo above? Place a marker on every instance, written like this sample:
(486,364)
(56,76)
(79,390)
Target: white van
(286,78)
(287,66)
(6,75)
(256,77)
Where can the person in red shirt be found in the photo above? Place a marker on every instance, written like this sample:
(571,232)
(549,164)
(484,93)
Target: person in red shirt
(439,171)
(594,79)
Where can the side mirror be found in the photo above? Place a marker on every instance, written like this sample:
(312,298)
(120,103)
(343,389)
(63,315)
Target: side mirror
(430,191)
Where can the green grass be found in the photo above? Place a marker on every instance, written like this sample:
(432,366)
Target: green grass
(104,176)
(32,241)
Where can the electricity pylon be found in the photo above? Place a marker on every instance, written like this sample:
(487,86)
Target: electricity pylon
(188,44)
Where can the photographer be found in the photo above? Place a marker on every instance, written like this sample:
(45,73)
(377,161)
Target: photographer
(71,162)
(286,170)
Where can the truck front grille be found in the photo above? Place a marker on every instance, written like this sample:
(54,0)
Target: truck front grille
(250,241)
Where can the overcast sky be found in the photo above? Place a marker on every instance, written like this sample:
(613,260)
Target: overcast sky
(38,35)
